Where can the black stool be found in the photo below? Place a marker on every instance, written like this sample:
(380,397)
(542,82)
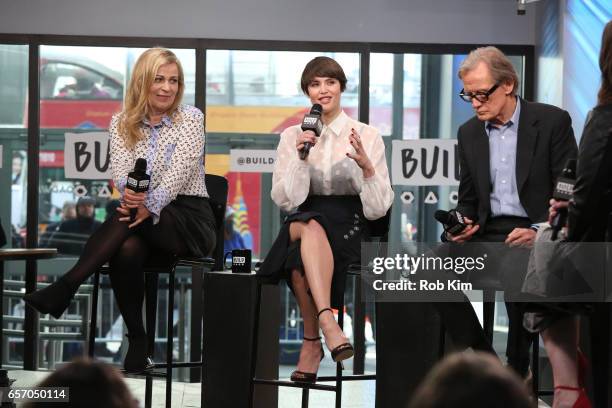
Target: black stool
(165,263)
(379,230)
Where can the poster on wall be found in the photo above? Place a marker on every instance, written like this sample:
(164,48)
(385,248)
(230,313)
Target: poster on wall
(87,156)
(425,162)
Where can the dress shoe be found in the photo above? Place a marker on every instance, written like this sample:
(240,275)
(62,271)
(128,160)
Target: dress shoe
(54,299)
(302,376)
(137,359)
(344,350)
(582,401)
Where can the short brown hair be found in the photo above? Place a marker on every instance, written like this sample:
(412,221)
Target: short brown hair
(475,380)
(90,384)
(498,63)
(322,67)
(604,96)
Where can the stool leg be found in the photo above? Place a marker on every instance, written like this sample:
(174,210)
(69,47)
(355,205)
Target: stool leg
(358,328)
(339,364)
(151,280)
(254,344)
(535,365)
(170,339)
(305,394)
(488,311)
(148,391)
(93,321)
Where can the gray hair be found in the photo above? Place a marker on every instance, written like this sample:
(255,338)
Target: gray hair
(498,63)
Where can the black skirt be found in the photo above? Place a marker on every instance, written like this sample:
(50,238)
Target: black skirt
(345,226)
(194,222)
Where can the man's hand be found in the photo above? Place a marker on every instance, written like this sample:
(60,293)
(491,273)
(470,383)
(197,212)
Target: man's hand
(521,237)
(555,206)
(466,234)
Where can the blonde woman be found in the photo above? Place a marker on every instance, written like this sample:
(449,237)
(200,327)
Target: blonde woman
(173,217)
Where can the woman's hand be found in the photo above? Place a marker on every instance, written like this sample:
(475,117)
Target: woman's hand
(555,206)
(141,214)
(132,199)
(360,156)
(303,138)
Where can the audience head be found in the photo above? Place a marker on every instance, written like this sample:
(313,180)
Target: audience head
(69,211)
(91,385)
(85,207)
(474,380)
(605,65)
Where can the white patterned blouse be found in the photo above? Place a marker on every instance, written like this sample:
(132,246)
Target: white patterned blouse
(174,150)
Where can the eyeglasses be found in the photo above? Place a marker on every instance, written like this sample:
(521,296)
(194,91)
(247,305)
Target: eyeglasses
(480,96)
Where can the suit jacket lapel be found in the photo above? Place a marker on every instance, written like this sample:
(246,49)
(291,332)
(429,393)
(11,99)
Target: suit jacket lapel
(483,170)
(525,144)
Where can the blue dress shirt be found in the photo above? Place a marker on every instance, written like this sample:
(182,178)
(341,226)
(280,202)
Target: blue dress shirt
(502,163)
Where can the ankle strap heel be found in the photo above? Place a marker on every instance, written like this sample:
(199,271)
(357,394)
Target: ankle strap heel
(344,350)
(324,310)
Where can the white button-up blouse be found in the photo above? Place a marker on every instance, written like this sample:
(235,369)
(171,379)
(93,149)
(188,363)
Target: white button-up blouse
(328,171)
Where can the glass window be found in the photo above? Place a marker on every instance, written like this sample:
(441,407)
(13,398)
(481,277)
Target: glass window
(13,141)
(259,91)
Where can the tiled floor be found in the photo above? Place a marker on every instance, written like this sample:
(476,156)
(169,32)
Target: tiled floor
(358,394)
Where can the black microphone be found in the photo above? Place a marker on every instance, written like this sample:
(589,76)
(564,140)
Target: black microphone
(312,122)
(453,221)
(564,190)
(138,181)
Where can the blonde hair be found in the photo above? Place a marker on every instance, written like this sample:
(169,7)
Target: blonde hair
(136,104)
(499,65)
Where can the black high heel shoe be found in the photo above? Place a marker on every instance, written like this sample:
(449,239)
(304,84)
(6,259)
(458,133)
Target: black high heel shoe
(54,299)
(137,359)
(302,376)
(344,350)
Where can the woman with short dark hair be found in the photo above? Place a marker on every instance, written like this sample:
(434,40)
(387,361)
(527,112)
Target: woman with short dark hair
(330,193)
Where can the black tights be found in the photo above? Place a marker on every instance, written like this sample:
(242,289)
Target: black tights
(126,251)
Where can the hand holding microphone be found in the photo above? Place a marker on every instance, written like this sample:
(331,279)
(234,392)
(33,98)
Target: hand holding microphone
(563,192)
(458,228)
(137,184)
(312,127)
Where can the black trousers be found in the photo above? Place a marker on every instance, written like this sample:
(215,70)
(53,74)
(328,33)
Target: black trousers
(510,266)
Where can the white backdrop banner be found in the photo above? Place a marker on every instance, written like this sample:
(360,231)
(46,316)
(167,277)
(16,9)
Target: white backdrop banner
(87,156)
(252,161)
(425,162)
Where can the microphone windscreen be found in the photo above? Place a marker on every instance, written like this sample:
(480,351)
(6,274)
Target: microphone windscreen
(443,216)
(316,109)
(141,165)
